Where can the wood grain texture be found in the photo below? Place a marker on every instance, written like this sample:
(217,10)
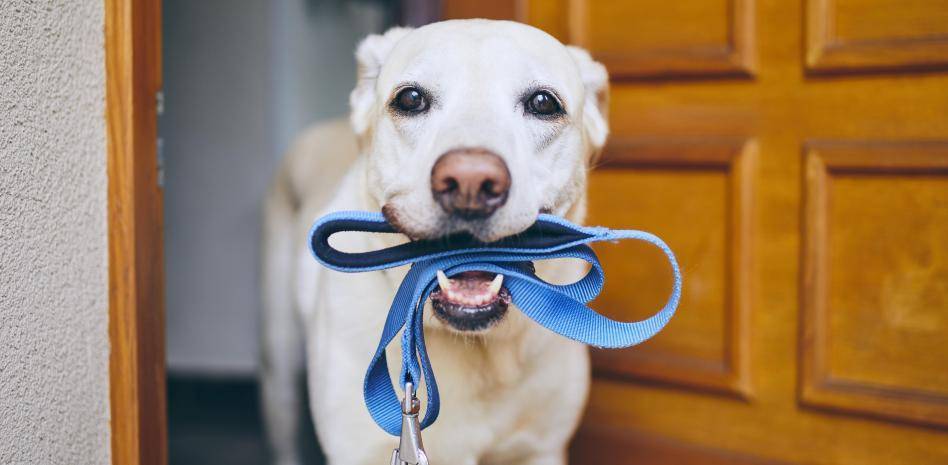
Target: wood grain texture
(599,445)
(136,315)
(875,263)
(717,304)
(656,39)
(671,40)
(849,36)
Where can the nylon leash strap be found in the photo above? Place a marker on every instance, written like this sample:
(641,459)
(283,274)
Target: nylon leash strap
(559,308)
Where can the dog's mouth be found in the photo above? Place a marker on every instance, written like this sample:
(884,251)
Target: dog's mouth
(471,300)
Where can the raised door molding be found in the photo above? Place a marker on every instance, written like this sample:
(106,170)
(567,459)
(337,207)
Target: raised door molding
(732,56)
(727,373)
(873,345)
(830,51)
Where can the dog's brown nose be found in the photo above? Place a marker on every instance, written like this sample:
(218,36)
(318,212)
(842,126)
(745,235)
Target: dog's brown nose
(470,183)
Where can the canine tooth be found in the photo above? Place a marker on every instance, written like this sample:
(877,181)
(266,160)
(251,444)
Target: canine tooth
(443,281)
(495,284)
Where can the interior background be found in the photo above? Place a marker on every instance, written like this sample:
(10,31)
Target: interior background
(241,78)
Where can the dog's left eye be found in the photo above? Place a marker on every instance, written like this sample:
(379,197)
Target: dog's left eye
(410,100)
(542,103)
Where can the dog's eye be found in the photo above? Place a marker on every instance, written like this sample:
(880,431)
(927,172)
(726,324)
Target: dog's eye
(543,104)
(410,100)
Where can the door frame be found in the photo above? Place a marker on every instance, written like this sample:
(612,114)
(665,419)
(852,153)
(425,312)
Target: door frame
(136,269)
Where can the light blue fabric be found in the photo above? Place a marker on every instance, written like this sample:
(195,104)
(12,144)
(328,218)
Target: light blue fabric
(559,308)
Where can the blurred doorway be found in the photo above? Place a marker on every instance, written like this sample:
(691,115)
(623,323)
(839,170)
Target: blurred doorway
(241,80)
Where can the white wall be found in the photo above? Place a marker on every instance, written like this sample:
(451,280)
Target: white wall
(54,353)
(242,77)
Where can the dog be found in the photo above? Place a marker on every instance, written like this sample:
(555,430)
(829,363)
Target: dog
(466,126)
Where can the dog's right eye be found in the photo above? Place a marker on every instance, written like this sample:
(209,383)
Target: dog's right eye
(544,105)
(410,100)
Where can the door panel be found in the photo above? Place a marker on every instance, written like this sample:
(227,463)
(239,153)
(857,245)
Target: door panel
(705,219)
(875,289)
(868,35)
(795,156)
(693,37)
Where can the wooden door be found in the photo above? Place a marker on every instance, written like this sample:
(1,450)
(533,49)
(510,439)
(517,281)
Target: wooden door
(795,155)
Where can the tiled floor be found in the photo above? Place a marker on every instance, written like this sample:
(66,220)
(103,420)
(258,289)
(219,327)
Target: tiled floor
(217,421)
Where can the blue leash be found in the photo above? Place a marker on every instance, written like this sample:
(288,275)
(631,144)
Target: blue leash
(559,308)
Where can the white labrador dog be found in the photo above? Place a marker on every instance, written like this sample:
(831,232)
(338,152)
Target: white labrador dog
(469,126)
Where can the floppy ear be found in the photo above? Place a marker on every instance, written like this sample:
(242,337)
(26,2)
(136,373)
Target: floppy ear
(370,56)
(596,109)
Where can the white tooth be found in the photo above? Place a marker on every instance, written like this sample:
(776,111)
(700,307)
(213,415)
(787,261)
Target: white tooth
(495,284)
(443,281)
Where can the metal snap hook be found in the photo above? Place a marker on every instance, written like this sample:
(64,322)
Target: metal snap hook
(411,450)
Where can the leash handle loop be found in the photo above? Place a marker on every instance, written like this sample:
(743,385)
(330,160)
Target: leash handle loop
(559,308)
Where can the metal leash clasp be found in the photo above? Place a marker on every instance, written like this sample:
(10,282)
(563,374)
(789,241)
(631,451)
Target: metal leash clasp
(410,449)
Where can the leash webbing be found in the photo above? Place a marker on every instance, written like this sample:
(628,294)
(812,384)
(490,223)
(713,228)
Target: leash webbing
(559,308)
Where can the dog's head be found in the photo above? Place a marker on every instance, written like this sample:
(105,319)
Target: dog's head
(476,127)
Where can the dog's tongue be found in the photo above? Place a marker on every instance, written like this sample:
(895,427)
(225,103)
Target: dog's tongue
(472,281)
(470,288)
